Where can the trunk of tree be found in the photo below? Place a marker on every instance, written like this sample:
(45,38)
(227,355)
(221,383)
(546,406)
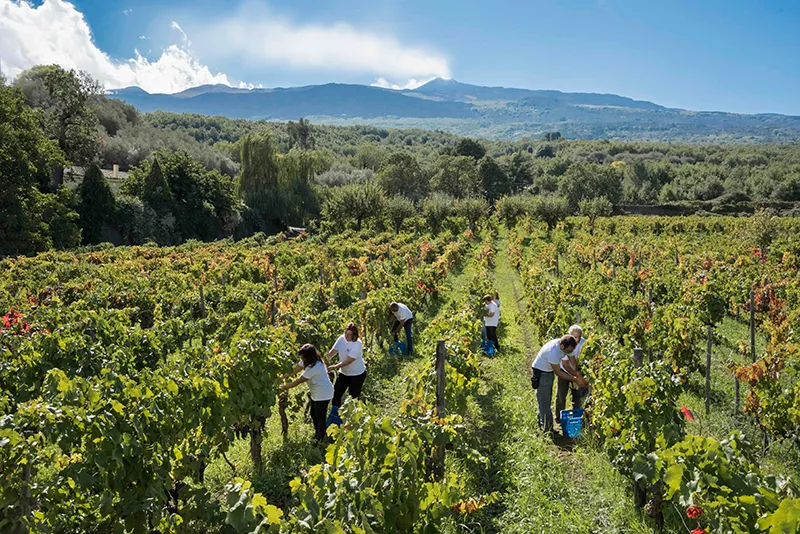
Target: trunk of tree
(57,176)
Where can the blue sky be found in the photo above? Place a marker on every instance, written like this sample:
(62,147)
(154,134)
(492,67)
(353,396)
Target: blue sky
(733,55)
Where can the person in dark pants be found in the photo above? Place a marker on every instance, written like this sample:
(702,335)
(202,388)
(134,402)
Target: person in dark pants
(491,319)
(352,370)
(320,387)
(546,367)
(569,364)
(403,319)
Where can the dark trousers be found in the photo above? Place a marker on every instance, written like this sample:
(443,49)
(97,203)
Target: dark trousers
(491,335)
(562,391)
(319,412)
(344,383)
(407,328)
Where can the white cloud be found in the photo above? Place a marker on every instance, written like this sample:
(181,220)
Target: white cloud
(127,11)
(412,83)
(261,36)
(55,32)
(143,38)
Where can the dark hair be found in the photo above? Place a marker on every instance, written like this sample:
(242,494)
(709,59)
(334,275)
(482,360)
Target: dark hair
(567,343)
(487,298)
(394,307)
(353,330)
(310,355)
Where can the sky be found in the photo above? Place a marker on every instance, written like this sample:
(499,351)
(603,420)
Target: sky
(732,55)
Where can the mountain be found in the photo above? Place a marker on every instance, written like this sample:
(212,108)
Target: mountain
(474,110)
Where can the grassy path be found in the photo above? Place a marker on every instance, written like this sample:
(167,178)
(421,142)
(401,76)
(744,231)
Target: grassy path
(543,488)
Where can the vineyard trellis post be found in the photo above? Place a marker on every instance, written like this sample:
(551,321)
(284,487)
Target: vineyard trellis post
(736,396)
(708,368)
(638,356)
(753,325)
(650,308)
(438,454)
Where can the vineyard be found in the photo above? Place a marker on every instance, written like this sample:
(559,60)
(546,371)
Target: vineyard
(139,386)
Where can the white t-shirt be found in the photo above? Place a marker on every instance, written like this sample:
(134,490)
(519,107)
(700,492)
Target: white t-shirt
(494,320)
(550,354)
(319,385)
(352,349)
(403,313)
(575,353)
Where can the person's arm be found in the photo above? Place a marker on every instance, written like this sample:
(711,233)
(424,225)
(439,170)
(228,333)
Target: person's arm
(566,376)
(294,371)
(347,361)
(331,353)
(296,382)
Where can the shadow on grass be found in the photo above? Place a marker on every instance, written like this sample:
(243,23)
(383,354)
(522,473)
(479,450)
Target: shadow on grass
(282,465)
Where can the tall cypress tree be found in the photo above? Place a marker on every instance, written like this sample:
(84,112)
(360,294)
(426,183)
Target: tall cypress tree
(96,206)
(156,192)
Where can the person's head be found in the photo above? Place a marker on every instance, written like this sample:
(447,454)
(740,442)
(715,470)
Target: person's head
(496,295)
(567,343)
(309,354)
(351,332)
(487,299)
(576,331)
(394,307)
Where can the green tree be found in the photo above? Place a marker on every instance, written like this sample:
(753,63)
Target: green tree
(494,180)
(398,210)
(30,220)
(301,134)
(96,205)
(518,169)
(356,203)
(473,209)
(762,229)
(63,97)
(436,209)
(456,176)
(369,156)
(549,209)
(402,175)
(258,181)
(595,208)
(584,181)
(470,147)
(156,192)
(512,208)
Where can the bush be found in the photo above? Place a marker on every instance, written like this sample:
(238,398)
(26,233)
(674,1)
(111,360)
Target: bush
(436,209)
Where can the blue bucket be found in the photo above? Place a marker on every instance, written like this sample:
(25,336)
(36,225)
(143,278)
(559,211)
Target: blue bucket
(487,346)
(572,422)
(333,417)
(397,349)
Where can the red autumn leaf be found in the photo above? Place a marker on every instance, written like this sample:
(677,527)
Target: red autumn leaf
(687,413)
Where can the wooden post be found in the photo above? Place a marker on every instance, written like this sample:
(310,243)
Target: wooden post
(736,397)
(224,279)
(283,403)
(202,303)
(753,325)
(677,259)
(650,305)
(273,307)
(558,273)
(438,453)
(708,368)
(638,356)
(578,317)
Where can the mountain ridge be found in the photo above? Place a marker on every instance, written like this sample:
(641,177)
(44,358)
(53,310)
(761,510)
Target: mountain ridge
(466,109)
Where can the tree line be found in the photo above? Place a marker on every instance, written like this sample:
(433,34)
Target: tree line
(197,177)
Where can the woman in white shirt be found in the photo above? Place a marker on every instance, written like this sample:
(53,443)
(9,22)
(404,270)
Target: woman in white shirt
(351,366)
(319,385)
(491,319)
(403,319)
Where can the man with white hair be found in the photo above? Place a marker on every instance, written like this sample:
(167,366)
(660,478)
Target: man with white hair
(569,364)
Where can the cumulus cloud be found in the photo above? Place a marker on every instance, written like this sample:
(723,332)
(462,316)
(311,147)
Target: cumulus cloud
(56,32)
(412,83)
(264,37)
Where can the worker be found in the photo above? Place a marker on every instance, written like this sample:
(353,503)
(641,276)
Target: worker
(351,366)
(491,318)
(546,367)
(320,387)
(403,319)
(570,365)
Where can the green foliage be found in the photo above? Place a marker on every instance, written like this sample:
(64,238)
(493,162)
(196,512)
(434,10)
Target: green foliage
(355,203)
(398,210)
(456,176)
(96,206)
(402,175)
(594,209)
(300,134)
(112,114)
(470,147)
(588,181)
(762,229)
(494,181)
(436,209)
(63,98)
(548,209)
(30,220)
(473,209)
(156,190)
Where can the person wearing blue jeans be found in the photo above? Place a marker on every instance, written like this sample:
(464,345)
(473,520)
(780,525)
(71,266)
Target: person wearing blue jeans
(545,368)
(403,319)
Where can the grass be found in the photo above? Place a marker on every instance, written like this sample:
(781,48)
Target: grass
(543,488)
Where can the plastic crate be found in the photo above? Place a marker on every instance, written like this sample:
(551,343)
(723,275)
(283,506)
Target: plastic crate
(487,346)
(572,422)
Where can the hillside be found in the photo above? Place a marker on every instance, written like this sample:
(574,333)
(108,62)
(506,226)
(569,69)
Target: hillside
(464,109)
